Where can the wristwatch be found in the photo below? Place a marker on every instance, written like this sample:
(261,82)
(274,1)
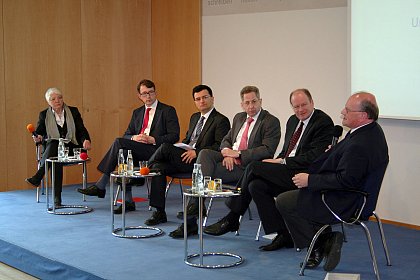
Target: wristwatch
(282,161)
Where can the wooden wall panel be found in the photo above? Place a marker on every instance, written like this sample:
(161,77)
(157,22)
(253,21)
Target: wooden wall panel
(3,148)
(42,49)
(116,49)
(176,53)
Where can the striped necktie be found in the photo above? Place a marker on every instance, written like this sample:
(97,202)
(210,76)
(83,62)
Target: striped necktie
(197,131)
(294,139)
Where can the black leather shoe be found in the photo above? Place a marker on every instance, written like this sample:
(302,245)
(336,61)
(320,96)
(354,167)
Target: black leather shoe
(221,227)
(316,257)
(280,241)
(33,181)
(192,210)
(192,229)
(93,191)
(129,206)
(333,250)
(158,217)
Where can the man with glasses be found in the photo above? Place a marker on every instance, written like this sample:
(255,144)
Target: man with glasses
(151,125)
(254,136)
(308,133)
(206,130)
(347,165)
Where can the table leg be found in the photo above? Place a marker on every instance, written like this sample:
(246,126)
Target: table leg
(184,203)
(53,186)
(200,223)
(123,204)
(84,179)
(46,185)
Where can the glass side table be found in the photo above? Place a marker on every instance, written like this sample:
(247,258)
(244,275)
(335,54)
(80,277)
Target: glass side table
(78,209)
(201,254)
(121,231)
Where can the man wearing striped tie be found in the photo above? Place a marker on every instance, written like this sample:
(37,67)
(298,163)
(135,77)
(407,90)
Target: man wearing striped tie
(308,133)
(206,130)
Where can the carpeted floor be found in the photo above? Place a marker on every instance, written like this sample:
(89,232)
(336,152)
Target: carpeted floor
(82,246)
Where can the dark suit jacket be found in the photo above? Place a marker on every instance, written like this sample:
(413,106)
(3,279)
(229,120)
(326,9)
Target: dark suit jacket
(262,142)
(81,132)
(215,128)
(314,141)
(164,128)
(346,165)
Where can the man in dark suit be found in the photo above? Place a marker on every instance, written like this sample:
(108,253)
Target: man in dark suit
(254,136)
(344,166)
(308,134)
(58,121)
(206,130)
(151,125)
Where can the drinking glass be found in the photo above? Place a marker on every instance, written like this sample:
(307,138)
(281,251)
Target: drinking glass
(76,152)
(66,153)
(217,185)
(207,180)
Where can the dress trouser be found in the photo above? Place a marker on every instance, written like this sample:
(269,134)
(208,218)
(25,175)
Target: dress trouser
(301,229)
(263,181)
(140,151)
(167,159)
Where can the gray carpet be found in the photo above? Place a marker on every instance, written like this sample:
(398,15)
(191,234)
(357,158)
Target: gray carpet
(82,246)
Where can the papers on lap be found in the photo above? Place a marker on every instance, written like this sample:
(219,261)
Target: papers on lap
(183,146)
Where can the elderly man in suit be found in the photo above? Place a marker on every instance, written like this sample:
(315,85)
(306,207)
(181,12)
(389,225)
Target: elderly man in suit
(151,125)
(308,134)
(206,130)
(345,166)
(254,136)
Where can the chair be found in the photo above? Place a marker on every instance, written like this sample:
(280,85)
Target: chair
(369,196)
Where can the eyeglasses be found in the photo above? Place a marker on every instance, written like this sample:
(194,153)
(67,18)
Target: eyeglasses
(253,102)
(297,107)
(352,111)
(204,98)
(148,93)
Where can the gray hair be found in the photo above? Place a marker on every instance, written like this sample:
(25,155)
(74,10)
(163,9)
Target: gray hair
(249,89)
(50,91)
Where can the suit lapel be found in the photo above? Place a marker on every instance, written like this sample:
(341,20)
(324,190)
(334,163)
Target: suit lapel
(156,117)
(241,121)
(193,123)
(208,123)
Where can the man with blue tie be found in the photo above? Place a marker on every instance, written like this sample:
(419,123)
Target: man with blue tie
(151,125)
(206,130)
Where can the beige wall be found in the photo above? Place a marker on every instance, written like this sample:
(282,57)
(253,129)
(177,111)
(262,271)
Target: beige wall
(96,52)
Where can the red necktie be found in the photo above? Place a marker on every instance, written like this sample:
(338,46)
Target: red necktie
(294,139)
(243,145)
(145,121)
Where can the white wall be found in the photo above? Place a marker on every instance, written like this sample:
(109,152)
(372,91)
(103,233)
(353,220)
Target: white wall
(283,50)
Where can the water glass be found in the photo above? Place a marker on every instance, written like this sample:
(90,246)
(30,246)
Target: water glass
(76,152)
(217,185)
(207,180)
(143,163)
(66,153)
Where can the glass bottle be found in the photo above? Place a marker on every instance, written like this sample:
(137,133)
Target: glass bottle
(60,152)
(121,162)
(130,164)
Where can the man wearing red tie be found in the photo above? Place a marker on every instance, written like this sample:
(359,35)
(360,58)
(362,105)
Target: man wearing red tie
(254,136)
(308,133)
(151,125)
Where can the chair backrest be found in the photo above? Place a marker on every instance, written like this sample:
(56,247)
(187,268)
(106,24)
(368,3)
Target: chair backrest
(372,186)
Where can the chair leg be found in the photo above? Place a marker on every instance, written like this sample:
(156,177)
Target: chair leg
(257,236)
(372,252)
(240,221)
(168,185)
(117,194)
(208,211)
(381,231)
(311,247)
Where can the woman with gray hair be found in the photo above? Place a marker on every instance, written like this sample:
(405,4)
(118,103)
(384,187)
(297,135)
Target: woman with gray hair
(58,121)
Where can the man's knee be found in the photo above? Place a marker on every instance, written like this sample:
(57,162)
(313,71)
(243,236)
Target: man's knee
(287,201)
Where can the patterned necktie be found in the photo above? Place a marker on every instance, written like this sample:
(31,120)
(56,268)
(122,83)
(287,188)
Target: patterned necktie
(197,131)
(145,121)
(294,139)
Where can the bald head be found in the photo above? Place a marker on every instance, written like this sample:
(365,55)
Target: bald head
(361,108)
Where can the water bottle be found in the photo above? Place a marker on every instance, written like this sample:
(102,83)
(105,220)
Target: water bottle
(130,164)
(194,178)
(60,152)
(199,180)
(121,162)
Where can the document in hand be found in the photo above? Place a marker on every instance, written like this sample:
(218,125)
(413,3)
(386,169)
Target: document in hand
(183,146)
